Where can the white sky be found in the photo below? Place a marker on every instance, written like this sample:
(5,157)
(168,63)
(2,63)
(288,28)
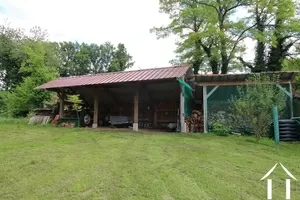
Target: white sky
(98,21)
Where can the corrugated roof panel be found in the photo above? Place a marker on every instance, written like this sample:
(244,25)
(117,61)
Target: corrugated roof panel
(118,77)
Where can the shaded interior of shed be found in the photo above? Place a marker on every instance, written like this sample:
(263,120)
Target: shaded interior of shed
(159,101)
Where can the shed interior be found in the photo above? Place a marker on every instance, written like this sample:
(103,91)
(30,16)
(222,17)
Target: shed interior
(159,101)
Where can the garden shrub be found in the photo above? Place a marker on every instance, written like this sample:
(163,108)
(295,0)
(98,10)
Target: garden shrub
(252,106)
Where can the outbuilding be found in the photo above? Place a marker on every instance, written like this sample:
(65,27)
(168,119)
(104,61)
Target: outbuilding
(159,97)
(151,98)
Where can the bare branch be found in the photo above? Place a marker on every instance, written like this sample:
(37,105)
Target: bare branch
(240,38)
(246,64)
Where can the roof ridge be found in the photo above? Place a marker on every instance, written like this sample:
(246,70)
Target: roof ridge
(105,73)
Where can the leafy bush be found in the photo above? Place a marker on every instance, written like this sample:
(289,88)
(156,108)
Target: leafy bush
(221,129)
(253,105)
(3,103)
(25,96)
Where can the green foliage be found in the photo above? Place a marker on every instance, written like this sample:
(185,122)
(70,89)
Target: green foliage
(29,60)
(276,31)
(3,103)
(220,128)
(211,32)
(293,65)
(11,56)
(253,105)
(75,99)
(208,34)
(40,70)
(80,59)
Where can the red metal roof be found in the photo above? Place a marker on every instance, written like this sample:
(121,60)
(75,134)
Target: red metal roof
(118,77)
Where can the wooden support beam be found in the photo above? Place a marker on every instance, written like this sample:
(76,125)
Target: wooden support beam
(96,110)
(205,109)
(290,95)
(212,91)
(182,118)
(136,111)
(235,83)
(61,103)
(284,90)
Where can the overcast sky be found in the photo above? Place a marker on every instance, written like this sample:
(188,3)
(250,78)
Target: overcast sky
(98,21)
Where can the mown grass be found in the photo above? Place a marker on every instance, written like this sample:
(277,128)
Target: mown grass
(39,162)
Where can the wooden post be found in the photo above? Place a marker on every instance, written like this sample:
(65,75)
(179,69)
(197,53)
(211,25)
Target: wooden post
(182,121)
(136,112)
(61,104)
(205,108)
(96,106)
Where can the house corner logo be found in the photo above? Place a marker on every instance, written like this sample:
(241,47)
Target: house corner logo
(287,182)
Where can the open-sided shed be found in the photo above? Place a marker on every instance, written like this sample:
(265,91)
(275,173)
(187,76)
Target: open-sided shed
(213,92)
(152,95)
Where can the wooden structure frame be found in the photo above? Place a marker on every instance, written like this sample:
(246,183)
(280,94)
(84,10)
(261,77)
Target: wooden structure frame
(137,92)
(239,80)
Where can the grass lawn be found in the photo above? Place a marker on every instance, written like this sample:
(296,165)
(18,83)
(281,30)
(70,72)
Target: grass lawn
(62,163)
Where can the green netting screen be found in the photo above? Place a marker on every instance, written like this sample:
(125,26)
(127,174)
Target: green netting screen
(218,104)
(187,91)
(296,104)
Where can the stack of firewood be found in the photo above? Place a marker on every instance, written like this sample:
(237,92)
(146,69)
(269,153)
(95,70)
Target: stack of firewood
(67,124)
(194,123)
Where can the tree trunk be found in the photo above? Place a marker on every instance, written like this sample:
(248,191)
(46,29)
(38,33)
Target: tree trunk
(214,65)
(259,62)
(224,69)
(196,66)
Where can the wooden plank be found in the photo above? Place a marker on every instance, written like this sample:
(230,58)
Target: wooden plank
(182,121)
(234,83)
(205,108)
(212,91)
(284,90)
(61,104)
(96,111)
(136,111)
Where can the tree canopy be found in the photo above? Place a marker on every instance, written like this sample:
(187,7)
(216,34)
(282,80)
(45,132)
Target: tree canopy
(29,60)
(211,32)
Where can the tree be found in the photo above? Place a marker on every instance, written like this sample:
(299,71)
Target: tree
(208,34)
(253,104)
(75,99)
(80,59)
(121,59)
(293,65)
(276,32)
(67,52)
(39,69)
(11,56)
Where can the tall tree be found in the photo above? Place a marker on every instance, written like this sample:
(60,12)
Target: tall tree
(11,56)
(80,59)
(208,33)
(276,32)
(121,59)
(40,69)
